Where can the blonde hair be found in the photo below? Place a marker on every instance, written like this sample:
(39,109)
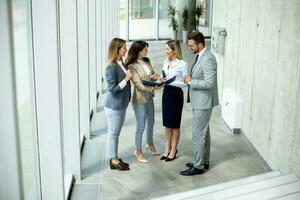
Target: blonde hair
(175,46)
(113,49)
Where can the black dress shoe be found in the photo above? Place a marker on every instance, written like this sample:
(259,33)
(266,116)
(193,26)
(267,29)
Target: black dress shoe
(206,166)
(120,166)
(170,159)
(123,163)
(189,165)
(192,171)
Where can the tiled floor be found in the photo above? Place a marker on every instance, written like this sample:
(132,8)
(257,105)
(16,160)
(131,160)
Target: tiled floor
(231,157)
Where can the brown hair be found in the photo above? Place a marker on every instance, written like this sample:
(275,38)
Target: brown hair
(197,36)
(134,50)
(175,46)
(113,49)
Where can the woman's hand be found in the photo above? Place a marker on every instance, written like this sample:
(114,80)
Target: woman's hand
(162,79)
(128,75)
(154,76)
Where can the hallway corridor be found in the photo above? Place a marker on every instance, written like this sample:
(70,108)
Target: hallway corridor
(231,156)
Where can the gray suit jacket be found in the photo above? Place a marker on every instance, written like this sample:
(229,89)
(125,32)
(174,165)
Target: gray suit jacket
(204,86)
(117,98)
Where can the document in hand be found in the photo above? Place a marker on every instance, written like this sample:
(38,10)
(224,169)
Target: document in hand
(152,83)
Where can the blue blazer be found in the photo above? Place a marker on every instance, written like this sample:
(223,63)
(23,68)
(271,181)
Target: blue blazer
(117,98)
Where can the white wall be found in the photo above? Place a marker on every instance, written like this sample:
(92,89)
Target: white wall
(92,53)
(68,42)
(261,64)
(69,86)
(83,67)
(47,94)
(10,187)
(110,28)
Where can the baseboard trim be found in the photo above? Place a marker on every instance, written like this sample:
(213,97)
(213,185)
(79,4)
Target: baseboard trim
(69,183)
(265,164)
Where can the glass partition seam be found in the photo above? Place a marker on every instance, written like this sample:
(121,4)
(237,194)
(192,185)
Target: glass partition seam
(95,75)
(77,60)
(34,99)
(60,89)
(14,95)
(88,39)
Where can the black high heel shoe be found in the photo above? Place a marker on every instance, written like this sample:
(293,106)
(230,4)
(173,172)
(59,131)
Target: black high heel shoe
(170,159)
(164,157)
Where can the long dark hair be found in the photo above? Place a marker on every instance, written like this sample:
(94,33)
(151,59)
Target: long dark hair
(134,50)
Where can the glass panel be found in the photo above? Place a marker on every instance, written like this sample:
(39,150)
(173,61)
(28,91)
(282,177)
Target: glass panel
(25,108)
(123,19)
(164,30)
(142,19)
(204,20)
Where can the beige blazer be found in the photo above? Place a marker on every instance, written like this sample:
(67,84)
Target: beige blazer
(141,93)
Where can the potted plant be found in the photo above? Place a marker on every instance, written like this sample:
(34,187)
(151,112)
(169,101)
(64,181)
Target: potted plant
(196,16)
(184,16)
(172,12)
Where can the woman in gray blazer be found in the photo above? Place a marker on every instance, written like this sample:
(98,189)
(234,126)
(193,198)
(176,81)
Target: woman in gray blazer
(117,99)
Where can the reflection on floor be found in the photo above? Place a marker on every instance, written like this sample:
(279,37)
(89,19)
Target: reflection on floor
(231,157)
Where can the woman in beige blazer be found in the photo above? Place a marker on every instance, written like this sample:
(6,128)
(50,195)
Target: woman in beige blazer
(142,98)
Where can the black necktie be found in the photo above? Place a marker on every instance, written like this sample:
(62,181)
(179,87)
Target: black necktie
(196,59)
(188,94)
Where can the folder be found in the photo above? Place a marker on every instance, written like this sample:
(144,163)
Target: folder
(153,84)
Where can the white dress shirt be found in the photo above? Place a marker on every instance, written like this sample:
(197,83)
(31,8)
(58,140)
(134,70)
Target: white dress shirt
(176,68)
(123,83)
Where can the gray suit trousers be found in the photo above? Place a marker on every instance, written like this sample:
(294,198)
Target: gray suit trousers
(201,137)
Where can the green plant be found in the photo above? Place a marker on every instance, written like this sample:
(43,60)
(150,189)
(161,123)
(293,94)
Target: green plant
(184,15)
(172,12)
(198,12)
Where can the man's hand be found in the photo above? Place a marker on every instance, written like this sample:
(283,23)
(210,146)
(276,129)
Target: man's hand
(187,78)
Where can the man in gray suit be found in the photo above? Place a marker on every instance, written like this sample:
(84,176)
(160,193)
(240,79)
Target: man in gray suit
(203,96)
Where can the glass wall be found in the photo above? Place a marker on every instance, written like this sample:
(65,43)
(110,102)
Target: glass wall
(123,30)
(164,30)
(205,20)
(147,19)
(25,100)
(142,19)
